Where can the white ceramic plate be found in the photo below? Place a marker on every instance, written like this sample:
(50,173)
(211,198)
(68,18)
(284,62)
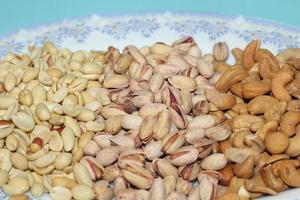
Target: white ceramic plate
(98,32)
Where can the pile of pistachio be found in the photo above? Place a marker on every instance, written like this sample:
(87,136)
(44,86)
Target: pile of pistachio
(150,123)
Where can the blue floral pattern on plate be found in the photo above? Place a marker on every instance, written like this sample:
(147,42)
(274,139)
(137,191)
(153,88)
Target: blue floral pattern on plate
(99,32)
(147,27)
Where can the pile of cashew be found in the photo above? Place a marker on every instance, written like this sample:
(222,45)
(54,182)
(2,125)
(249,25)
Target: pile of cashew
(147,123)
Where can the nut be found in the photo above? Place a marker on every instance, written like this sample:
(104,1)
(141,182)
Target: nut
(221,51)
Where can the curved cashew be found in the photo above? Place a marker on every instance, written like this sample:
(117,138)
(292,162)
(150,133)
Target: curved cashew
(244,169)
(288,123)
(267,128)
(294,146)
(248,57)
(239,155)
(253,89)
(274,112)
(238,138)
(262,54)
(276,142)
(256,184)
(293,105)
(245,121)
(230,77)
(271,180)
(237,89)
(221,100)
(289,174)
(253,74)
(260,104)
(278,85)
(294,87)
(254,142)
(265,70)
(237,54)
(227,174)
(288,54)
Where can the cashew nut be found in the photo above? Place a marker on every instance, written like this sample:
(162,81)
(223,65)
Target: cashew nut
(279,82)
(248,57)
(253,89)
(288,123)
(276,142)
(288,54)
(271,180)
(289,174)
(222,101)
(244,169)
(294,146)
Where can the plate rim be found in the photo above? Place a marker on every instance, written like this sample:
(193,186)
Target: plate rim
(258,20)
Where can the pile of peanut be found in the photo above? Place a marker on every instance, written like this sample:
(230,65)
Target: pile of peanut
(150,123)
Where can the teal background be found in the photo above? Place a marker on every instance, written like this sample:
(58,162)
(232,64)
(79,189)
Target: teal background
(16,14)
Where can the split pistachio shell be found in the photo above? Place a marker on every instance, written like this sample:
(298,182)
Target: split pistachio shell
(184,156)
(157,191)
(131,122)
(107,156)
(215,162)
(203,121)
(183,82)
(138,176)
(164,167)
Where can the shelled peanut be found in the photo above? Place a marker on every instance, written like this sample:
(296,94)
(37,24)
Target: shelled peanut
(146,123)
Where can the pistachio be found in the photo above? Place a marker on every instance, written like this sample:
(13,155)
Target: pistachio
(184,156)
(137,176)
(221,51)
(183,186)
(183,82)
(107,156)
(93,167)
(164,167)
(172,142)
(157,191)
(214,161)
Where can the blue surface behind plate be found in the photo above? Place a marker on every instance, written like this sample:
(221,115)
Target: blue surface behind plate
(16,14)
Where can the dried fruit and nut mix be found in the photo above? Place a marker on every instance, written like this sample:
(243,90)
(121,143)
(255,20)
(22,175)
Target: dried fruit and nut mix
(148,123)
